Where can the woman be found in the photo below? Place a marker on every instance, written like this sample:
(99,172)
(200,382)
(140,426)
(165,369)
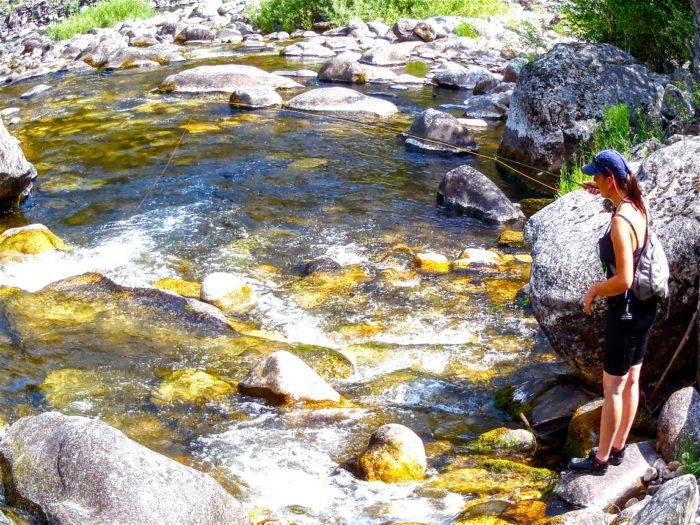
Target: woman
(629,319)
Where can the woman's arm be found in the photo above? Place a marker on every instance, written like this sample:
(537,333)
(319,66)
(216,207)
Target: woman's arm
(624,266)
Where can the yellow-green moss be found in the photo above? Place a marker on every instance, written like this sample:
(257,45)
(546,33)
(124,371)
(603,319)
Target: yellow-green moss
(491,441)
(192,386)
(511,239)
(532,206)
(321,287)
(30,240)
(179,286)
(431,263)
(583,430)
(502,291)
(68,385)
(383,463)
(508,466)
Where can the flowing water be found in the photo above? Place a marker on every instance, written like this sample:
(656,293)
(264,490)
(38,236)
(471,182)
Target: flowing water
(256,194)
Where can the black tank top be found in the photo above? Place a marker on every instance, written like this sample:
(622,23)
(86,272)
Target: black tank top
(606,249)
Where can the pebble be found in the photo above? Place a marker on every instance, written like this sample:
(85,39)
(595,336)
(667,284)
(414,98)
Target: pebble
(653,488)
(630,502)
(650,474)
(9,111)
(673,465)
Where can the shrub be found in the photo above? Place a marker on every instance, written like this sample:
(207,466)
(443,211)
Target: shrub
(467,30)
(529,34)
(100,15)
(653,31)
(688,457)
(618,130)
(289,15)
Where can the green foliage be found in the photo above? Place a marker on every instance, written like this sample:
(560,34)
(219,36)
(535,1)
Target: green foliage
(529,34)
(531,57)
(467,30)
(103,14)
(619,131)
(653,31)
(288,15)
(417,68)
(688,456)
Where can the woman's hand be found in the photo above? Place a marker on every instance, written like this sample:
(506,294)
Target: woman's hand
(591,188)
(591,294)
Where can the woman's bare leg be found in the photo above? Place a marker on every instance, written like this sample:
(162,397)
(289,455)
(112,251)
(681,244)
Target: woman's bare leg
(613,387)
(630,401)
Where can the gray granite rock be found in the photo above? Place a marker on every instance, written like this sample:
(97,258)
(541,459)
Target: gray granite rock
(678,421)
(676,503)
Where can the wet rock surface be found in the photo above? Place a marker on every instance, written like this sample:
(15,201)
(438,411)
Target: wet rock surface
(71,469)
(16,172)
(467,191)
(337,99)
(224,79)
(440,131)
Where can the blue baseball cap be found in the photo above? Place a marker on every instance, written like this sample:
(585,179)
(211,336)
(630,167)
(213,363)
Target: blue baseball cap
(608,162)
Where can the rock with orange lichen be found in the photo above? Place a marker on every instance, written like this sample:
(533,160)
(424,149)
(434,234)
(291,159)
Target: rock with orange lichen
(394,454)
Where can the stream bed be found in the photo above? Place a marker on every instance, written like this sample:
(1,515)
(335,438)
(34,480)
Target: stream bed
(257,194)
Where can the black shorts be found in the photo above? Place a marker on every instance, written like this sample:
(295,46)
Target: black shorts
(626,340)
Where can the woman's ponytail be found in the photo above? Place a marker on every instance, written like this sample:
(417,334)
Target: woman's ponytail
(635,194)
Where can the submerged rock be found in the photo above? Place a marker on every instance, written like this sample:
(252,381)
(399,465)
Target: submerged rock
(70,469)
(440,131)
(227,292)
(307,49)
(511,239)
(676,503)
(284,378)
(563,270)
(16,173)
(337,99)
(36,90)
(394,454)
(615,487)
(470,192)
(679,421)
(225,78)
(181,287)
(29,240)
(553,108)
(192,386)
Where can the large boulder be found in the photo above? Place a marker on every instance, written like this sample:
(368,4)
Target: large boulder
(388,55)
(436,131)
(554,108)
(696,52)
(337,99)
(76,470)
(468,191)
(615,487)
(343,69)
(564,239)
(160,54)
(225,78)
(255,98)
(679,421)
(16,173)
(394,454)
(282,378)
(101,50)
(676,503)
(456,76)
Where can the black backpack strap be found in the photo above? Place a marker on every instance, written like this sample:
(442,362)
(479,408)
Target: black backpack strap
(636,238)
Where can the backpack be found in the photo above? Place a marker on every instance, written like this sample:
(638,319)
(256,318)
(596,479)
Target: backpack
(651,272)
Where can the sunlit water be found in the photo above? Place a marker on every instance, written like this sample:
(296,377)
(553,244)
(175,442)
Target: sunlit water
(256,194)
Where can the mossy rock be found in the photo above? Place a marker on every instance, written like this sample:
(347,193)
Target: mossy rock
(29,240)
(320,288)
(494,477)
(146,429)
(503,440)
(179,286)
(502,291)
(93,317)
(584,427)
(528,511)
(481,520)
(432,263)
(484,508)
(192,386)
(63,387)
(532,206)
(395,454)
(399,278)
(511,239)
(328,363)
